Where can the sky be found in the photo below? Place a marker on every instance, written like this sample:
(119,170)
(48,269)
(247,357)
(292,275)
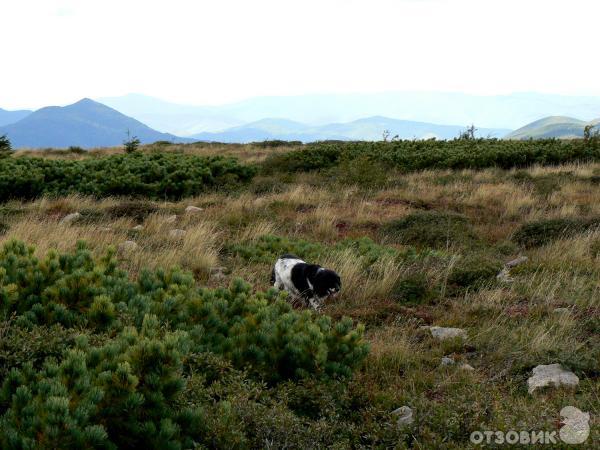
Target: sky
(55,52)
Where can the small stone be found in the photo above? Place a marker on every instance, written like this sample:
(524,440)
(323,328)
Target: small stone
(576,425)
(70,218)
(517,261)
(138,228)
(561,310)
(468,367)
(171,219)
(447,361)
(551,375)
(177,233)
(504,276)
(193,210)
(443,333)
(404,416)
(127,246)
(218,273)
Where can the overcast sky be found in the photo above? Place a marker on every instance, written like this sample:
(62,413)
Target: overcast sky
(211,52)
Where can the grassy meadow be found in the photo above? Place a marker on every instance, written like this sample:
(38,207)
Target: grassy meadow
(413,249)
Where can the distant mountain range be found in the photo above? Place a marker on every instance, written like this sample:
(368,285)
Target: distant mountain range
(553,127)
(497,112)
(85,124)
(370,129)
(88,123)
(8,117)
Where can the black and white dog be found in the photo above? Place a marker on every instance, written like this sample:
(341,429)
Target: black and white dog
(309,283)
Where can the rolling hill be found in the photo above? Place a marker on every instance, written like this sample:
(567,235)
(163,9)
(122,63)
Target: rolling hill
(552,127)
(8,117)
(85,124)
(499,111)
(370,128)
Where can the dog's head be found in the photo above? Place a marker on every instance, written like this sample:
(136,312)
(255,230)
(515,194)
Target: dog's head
(326,283)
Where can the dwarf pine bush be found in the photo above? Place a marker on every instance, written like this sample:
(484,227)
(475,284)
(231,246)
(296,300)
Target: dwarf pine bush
(255,330)
(158,175)
(113,372)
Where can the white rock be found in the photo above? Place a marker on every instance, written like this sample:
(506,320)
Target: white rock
(127,246)
(443,333)
(517,261)
(551,375)
(468,367)
(218,273)
(561,310)
(171,219)
(447,361)
(504,276)
(193,209)
(138,228)
(576,425)
(404,416)
(70,218)
(177,233)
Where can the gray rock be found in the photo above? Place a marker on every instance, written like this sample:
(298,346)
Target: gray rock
(171,219)
(138,228)
(70,218)
(576,425)
(517,261)
(193,210)
(177,233)
(504,276)
(404,416)
(551,375)
(561,310)
(218,273)
(447,361)
(443,333)
(127,247)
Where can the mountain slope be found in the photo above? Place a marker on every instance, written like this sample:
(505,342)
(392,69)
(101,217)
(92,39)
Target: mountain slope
(500,111)
(552,127)
(85,123)
(371,128)
(8,117)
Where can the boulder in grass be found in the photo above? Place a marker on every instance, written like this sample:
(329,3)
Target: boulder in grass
(177,233)
(127,247)
(404,416)
(551,375)
(446,361)
(517,262)
(193,210)
(443,333)
(70,218)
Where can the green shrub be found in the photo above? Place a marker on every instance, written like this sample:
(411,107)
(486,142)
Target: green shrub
(438,230)
(541,232)
(473,272)
(362,171)
(413,289)
(157,175)
(435,154)
(5,146)
(254,330)
(120,395)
